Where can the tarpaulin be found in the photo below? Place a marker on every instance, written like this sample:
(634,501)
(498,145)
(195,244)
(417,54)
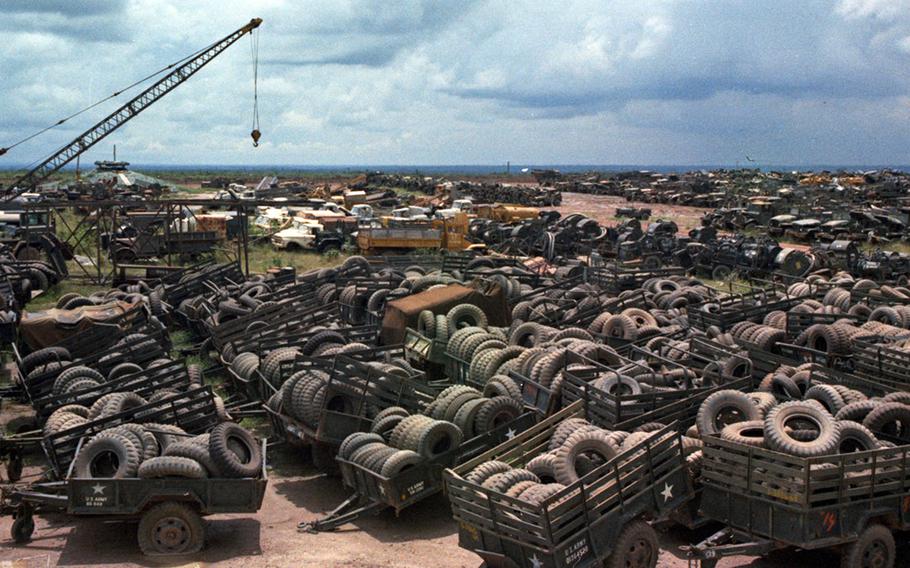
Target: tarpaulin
(403,313)
(49,327)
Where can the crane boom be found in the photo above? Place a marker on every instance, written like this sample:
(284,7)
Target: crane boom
(123,114)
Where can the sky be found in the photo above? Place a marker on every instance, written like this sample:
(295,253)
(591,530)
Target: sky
(470,82)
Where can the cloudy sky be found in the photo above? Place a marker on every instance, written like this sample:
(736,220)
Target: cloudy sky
(473,81)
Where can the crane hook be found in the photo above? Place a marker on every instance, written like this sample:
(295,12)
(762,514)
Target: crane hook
(256,136)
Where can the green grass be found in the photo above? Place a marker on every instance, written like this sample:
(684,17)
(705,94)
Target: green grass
(263,256)
(733,285)
(49,298)
(898,246)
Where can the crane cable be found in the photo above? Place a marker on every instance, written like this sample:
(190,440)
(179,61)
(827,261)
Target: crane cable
(109,97)
(254,53)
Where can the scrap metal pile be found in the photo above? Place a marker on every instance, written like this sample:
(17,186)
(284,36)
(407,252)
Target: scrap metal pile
(529,195)
(803,206)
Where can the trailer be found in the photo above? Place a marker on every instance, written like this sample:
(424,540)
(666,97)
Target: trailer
(769,501)
(601,516)
(169,510)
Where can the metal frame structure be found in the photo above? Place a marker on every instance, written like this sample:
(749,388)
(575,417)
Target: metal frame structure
(83,236)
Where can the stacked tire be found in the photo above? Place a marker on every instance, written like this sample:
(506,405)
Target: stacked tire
(154,451)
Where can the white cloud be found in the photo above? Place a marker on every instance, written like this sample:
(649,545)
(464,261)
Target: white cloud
(434,81)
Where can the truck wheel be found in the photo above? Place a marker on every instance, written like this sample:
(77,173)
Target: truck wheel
(636,547)
(125,256)
(23,528)
(170,528)
(873,549)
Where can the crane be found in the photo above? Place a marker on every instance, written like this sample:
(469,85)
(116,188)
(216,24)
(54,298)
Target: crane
(126,112)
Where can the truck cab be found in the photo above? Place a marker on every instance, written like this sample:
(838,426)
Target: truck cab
(307,234)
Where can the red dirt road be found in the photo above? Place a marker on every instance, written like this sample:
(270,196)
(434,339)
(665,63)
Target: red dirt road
(602,208)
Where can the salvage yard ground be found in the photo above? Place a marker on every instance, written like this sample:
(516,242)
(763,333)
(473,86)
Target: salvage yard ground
(424,535)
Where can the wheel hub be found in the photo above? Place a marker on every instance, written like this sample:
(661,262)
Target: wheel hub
(875,556)
(171,534)
(639,555)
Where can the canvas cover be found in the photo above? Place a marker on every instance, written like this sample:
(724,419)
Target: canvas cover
(402,313)
(49,327)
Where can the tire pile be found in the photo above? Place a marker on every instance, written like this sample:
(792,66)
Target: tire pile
(576,449)
(230,302)
(70,378)
(304,395)
(791,414)
(392,448)
(510,194)
(492,353)
(155,451)
(398,439)
(130,293)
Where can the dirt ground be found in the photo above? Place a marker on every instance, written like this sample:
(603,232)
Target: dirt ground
(602,208)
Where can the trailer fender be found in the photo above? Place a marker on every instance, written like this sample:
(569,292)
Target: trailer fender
(160,496)
(842,523)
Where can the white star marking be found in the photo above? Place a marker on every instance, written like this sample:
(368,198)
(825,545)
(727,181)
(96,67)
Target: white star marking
(98,489)
(382,490)
(509,435)
(535,562)
(667,492)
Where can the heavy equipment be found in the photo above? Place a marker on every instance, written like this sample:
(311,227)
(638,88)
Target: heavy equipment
(185,69)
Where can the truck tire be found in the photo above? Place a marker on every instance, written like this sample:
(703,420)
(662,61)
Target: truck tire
(401,431)
(193,450)
(636,547)
(165,434)
(854,437)
(353,442)
(42,357)
(123,403)
(122,370)
(465,315)
(486,470)
(399,462)
(235,451)
(544,467)
(467,415)
(828,396)
(750,433)
(502,482)
(537,494)
(74,373)
(172,466)
(723,408)
(170,528)
(501,385)
(565,429)
(64,299)
(495,412)
(593,441)
(437,438)
(385,425)
(111,457)
(892,418)
(874,547)
(426,324)
(778,437)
